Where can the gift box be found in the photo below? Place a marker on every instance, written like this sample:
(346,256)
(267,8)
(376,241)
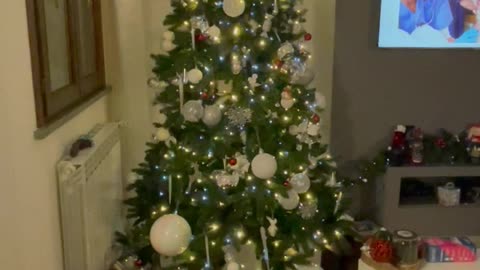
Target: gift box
(451,249)
(449,195)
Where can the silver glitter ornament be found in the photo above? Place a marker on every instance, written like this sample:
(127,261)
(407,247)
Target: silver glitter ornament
(239,117)
(307,210)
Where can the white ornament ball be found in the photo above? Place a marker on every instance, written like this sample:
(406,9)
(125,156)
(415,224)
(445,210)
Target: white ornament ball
(303,78)
(162,134)
(300,183)
(168,35)
(291,202)
(212,115)
(193,111)
(159,118)
(170,235)
(234,8)
(168,46)
(195,76)
(264,166)
(214,32)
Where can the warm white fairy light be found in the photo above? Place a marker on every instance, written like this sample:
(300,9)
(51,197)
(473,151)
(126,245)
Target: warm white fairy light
(240,234)
(214,227)
(237,31)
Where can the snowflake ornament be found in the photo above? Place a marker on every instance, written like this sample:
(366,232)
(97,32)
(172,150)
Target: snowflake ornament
(308,210)
(239,117)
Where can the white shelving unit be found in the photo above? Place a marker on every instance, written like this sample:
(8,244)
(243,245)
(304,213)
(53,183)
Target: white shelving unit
(428,218)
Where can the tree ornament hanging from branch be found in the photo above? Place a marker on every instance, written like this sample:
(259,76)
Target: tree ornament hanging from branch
(234,8)
(264,166)
(193,111)
(290,202)
(170,235)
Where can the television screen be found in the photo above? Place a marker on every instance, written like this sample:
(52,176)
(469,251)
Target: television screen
(430,24)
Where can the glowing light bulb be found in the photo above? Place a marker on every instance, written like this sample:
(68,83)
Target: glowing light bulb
(214,227)
(240,234)
(237,30)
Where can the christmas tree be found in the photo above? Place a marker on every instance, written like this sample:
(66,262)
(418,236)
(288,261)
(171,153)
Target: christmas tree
(237,158)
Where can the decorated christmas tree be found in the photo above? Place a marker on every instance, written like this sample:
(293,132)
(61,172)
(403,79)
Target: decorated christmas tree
(237,158)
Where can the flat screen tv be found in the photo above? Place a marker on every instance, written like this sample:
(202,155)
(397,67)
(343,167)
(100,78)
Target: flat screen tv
(430,24)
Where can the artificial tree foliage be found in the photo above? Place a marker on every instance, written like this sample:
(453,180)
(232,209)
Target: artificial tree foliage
(233,215)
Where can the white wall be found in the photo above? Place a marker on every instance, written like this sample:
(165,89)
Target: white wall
(128,69)
(29,215)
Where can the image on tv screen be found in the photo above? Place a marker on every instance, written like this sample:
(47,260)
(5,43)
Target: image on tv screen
(430,24)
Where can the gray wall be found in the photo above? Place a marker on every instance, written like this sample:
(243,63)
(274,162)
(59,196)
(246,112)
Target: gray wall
(374,89)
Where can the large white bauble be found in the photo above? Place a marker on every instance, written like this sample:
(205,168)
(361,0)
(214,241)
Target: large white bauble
(214,32)
(300,183)
(170,235)
(212,115)
(195,76)
(291,202)
(264,166)
(234,8)
(193,111)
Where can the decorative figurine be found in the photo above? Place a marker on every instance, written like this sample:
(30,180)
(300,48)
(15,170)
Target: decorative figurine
(397,150)
(473,145)
(416,146)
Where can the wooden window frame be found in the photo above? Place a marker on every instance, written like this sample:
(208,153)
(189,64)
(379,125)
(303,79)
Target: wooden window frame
(53,105)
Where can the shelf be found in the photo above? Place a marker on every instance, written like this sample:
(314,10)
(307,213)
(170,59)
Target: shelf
(418,209)
(437,206)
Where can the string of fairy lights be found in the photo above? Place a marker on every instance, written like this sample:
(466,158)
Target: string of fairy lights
(297,113)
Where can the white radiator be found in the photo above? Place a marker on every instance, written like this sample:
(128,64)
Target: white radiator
(90,188)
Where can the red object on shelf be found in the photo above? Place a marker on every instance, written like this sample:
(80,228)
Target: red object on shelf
(381,251)
(440,142)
